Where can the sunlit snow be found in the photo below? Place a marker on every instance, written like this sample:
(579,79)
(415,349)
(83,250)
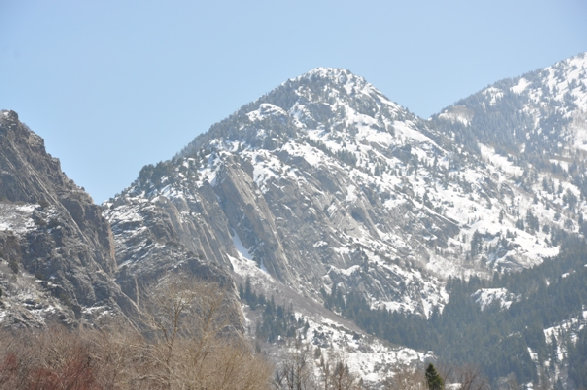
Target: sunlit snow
(17,218)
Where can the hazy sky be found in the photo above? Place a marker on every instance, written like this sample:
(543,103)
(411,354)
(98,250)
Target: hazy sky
(114,85)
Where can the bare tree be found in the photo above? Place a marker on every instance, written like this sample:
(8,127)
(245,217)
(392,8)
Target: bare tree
(193,346)
(186,346)
(47,360)
(336,374)
(296,372)
(471,378)
(406,378)
(341,377)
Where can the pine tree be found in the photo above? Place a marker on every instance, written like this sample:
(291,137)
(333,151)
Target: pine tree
(433,379)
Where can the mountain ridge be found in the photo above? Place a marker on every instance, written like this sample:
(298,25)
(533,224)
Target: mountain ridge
(318,191)
(323,191)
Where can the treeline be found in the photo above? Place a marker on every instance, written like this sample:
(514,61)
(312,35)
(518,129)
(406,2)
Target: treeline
(90,359)
(495,339)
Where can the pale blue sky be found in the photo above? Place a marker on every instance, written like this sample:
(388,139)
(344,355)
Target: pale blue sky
(114,85)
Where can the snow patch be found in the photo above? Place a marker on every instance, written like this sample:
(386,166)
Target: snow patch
(364,355)
(499,161)
(406,130)
(457,114)
(351,195)
(17,218)
(264,111)
(346,272)
(494,95)
(487,296)
(266,166)
(520,86)
(245,256)
(578,129)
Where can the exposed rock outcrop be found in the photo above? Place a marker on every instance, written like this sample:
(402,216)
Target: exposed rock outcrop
(55,245)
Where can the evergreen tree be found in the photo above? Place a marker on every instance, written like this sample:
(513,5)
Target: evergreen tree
(476,244)
(433,379)
(578,361)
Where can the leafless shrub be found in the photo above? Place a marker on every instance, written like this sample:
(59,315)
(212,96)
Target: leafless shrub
(296,371)
(186,346)
(406,378)
(468,376)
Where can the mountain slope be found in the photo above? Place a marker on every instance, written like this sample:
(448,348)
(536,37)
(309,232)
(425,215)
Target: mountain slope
(538,118)
(324,187)
(535,127)
(56,248)
(324,181)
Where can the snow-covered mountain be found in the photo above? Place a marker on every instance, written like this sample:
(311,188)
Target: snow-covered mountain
(324,181)
(324,189)
(540,111)
(308,190)
(324,184)
(537,121)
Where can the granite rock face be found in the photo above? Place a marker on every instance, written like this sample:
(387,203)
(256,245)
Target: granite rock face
(56,247)
(57,253)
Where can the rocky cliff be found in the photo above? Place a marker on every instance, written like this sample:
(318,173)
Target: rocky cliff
(56,248)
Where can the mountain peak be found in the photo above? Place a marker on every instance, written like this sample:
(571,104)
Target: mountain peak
(322,98)
(327,86)
(338,77)
(9,114)
(328,73)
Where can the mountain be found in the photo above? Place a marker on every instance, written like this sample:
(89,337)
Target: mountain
(323,190)
(291,188)
(56,248)
(540,111)
(536,120)
(536,124)
(325,182)
(336,219)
